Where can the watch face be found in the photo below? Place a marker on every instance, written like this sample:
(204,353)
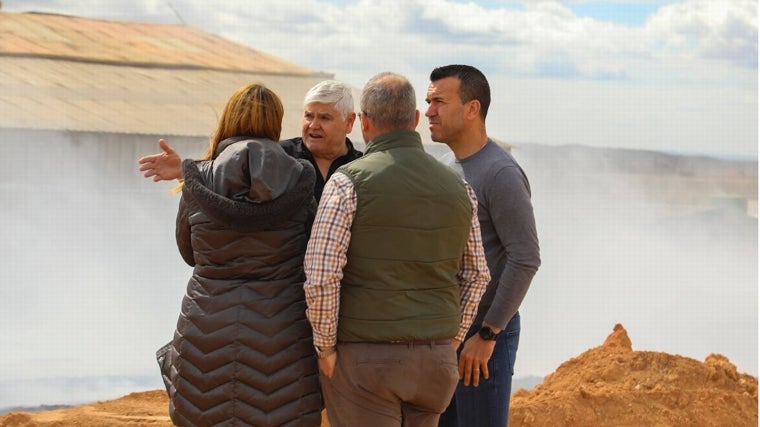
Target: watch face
(487,334)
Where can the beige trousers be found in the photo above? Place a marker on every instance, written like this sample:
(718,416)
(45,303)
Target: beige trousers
(384,384)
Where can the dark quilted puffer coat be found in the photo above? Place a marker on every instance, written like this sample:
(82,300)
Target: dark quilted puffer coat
(242,353)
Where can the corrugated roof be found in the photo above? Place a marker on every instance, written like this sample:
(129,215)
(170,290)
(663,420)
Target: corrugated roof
(70,73)
(133,43)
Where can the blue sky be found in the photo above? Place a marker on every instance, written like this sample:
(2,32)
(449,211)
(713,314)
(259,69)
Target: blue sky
(621,12)
(677,76)
(626,13)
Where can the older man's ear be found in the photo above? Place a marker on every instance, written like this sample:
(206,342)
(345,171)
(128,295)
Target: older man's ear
(350,122)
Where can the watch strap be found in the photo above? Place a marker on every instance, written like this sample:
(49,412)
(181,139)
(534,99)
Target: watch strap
(321,354)
(487,333)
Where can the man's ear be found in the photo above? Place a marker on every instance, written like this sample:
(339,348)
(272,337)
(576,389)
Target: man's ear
(472,109)
(350,122)
(364,122)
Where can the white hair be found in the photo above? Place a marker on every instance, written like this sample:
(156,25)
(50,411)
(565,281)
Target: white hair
(332,92)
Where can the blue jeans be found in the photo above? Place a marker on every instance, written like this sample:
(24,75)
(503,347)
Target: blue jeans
(487,405)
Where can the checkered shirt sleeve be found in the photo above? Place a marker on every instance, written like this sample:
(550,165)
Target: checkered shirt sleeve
(473,276)
(326,257)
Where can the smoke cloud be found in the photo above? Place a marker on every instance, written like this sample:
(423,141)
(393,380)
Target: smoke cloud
(92,280)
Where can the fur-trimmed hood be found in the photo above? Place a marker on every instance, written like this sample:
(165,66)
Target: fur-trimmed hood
(271,188)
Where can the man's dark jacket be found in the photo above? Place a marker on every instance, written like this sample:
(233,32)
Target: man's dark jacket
(296,148)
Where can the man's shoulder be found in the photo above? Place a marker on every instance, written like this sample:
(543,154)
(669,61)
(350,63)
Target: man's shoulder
(353,153)
(493,156)
(292,142)
(502,171)
(351,156)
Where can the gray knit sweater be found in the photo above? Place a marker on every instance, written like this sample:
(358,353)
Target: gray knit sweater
(508,228)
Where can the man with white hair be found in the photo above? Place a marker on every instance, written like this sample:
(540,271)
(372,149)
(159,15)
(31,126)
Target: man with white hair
(328,116)
(327,120)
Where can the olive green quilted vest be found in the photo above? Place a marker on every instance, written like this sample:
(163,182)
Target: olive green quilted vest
(411,226)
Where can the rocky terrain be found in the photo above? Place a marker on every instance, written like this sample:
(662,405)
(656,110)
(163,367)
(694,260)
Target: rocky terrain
(610,385)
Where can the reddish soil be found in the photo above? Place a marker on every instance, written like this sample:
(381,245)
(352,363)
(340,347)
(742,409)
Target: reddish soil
(610,385)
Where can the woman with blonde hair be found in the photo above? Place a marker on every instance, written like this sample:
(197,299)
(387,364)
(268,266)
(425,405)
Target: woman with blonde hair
(242,352)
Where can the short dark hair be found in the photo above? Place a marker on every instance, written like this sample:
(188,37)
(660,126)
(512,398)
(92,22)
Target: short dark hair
(473,84)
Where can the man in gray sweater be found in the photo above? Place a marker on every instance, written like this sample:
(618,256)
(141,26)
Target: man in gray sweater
(458,99)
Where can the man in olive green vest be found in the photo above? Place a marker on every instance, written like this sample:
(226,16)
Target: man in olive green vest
(394,271)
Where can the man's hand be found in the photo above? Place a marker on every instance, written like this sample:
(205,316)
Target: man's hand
(327,364)
(164,166)
(473,360)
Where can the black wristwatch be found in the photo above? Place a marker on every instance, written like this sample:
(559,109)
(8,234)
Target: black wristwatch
(487,334)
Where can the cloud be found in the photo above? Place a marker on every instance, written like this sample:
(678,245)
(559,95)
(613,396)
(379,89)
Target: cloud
(409,34)
(543,39)
(700,53)
(720,30)
(558,64)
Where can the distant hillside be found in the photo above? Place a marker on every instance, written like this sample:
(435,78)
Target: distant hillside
(45,394)
(666,183)
(526,383)
(40,408)
(579,157)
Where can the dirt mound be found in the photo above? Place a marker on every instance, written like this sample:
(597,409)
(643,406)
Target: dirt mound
(149,408)
(612,385)
(135,409)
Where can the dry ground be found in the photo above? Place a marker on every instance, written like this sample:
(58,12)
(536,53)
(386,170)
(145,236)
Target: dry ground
(610,385)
